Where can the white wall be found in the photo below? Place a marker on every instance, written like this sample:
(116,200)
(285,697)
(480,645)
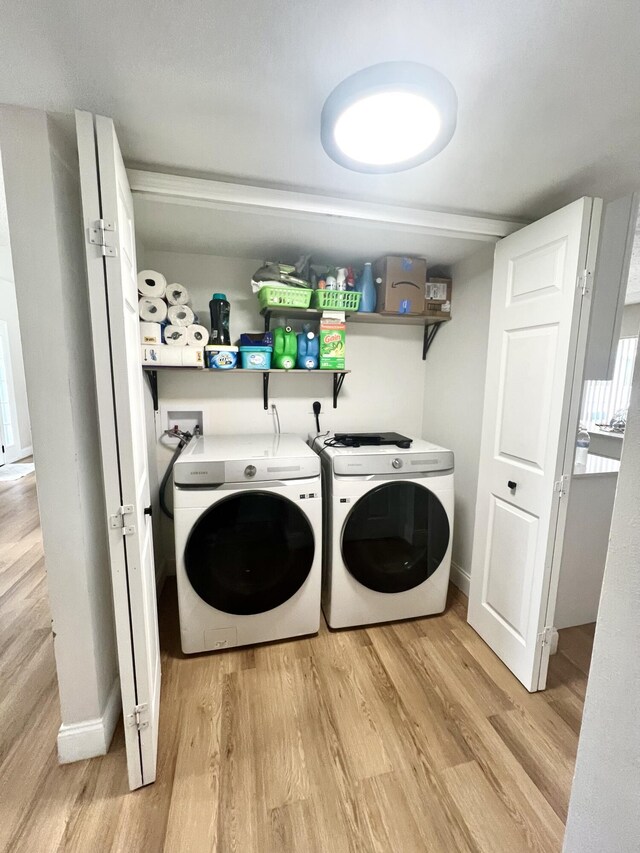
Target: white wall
(42,187)
(384,391)
(454,393)
(21,446)
(603,812)
(630,321)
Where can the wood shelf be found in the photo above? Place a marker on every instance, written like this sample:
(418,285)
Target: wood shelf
(152,373)
(431,324)
(356,316)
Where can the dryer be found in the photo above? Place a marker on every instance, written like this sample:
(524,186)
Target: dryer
(387,532)
(248,534)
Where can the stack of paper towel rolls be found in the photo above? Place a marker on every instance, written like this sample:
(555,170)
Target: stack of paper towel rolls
(165,314)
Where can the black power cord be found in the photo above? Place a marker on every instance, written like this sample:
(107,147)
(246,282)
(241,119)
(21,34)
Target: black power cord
(184,439)
(316,411)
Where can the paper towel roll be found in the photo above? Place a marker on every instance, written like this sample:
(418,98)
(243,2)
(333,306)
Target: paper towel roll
(197,335)
(152,309)
(180,315)
(150,333)
(151,283)
(177,294)
(175,335)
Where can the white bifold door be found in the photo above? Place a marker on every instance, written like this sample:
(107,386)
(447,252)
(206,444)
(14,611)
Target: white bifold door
(540,303)
(112,280)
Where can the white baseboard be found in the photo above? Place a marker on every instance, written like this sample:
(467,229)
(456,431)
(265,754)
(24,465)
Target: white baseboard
(19,454)
(460,578)
(90,738)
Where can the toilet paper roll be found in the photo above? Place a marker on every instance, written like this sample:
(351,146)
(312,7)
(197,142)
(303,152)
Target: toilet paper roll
(150,333)
(177,294)
(151,283)
(197,335)
(152,309)
(175,335)
(180,315)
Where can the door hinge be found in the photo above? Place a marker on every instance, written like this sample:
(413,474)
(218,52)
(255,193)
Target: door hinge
(583,281)
(118,521)
(545,637)
(98,236)
(139,718)
(561,486)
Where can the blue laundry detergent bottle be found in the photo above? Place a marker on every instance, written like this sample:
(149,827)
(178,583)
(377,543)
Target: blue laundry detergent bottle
(367,288)
(308,351)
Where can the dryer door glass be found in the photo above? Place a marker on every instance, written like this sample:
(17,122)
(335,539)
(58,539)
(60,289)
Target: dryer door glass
(395,537)
(249,553)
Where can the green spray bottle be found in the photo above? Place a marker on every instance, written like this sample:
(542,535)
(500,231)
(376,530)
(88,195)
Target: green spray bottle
(285,347)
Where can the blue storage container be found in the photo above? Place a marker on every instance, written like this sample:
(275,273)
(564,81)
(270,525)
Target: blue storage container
(256,358)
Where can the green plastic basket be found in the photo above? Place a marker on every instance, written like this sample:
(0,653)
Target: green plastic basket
(339,300)
(271,296)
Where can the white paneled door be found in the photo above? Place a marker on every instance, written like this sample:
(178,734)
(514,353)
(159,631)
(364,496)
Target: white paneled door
(112,279)
(537,337)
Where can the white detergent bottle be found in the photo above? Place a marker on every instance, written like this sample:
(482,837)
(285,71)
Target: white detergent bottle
(582,447)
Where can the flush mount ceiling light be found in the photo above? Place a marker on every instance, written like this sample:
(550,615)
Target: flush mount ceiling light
(389,117)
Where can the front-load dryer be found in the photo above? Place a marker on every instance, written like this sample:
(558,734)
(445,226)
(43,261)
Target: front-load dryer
(248,533)
(388,530)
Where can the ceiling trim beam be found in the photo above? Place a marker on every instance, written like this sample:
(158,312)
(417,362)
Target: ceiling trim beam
(200,192)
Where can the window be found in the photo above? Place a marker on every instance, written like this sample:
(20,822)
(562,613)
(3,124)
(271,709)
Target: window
(6,426)
(602,399)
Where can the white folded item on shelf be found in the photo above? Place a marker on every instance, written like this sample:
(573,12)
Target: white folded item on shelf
(180,315)
(177,294)
(175,336)
(151,283)
(152,309)
(150,333)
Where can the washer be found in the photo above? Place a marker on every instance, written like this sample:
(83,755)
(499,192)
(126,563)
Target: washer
(248,516)
(388,530)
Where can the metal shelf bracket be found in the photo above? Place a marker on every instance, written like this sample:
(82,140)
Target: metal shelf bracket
(338,382)
(153,384)
(265,390)
(429,334)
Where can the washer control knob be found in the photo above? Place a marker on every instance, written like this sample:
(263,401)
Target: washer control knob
(397,463)
(250,471)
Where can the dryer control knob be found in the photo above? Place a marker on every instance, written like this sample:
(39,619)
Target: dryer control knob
(397,463)
(250,471)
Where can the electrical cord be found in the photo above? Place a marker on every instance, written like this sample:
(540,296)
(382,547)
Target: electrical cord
(274,410)
(184,439)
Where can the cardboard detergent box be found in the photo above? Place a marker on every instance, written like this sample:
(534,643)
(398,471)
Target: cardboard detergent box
(333,333)
(438,297)
(400,282)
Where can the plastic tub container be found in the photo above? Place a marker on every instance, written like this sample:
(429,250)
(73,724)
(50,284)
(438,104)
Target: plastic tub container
(219,357)
(256,358)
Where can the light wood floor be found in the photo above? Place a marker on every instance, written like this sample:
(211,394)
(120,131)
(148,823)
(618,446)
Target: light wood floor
(406,737)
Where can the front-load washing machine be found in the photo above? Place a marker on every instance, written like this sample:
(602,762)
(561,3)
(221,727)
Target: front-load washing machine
(387,532)
(248,532)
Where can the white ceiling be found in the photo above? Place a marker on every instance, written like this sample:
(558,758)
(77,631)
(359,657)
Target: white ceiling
(549,105)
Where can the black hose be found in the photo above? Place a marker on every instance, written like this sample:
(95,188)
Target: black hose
(163,504)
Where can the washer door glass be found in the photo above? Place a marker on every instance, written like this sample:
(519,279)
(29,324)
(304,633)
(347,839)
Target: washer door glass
(249,553)
(395,537)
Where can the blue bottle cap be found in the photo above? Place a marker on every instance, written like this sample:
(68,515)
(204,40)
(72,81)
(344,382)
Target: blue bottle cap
(220,296)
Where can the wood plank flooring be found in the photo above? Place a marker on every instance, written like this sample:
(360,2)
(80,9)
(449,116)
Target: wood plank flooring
(405,737)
